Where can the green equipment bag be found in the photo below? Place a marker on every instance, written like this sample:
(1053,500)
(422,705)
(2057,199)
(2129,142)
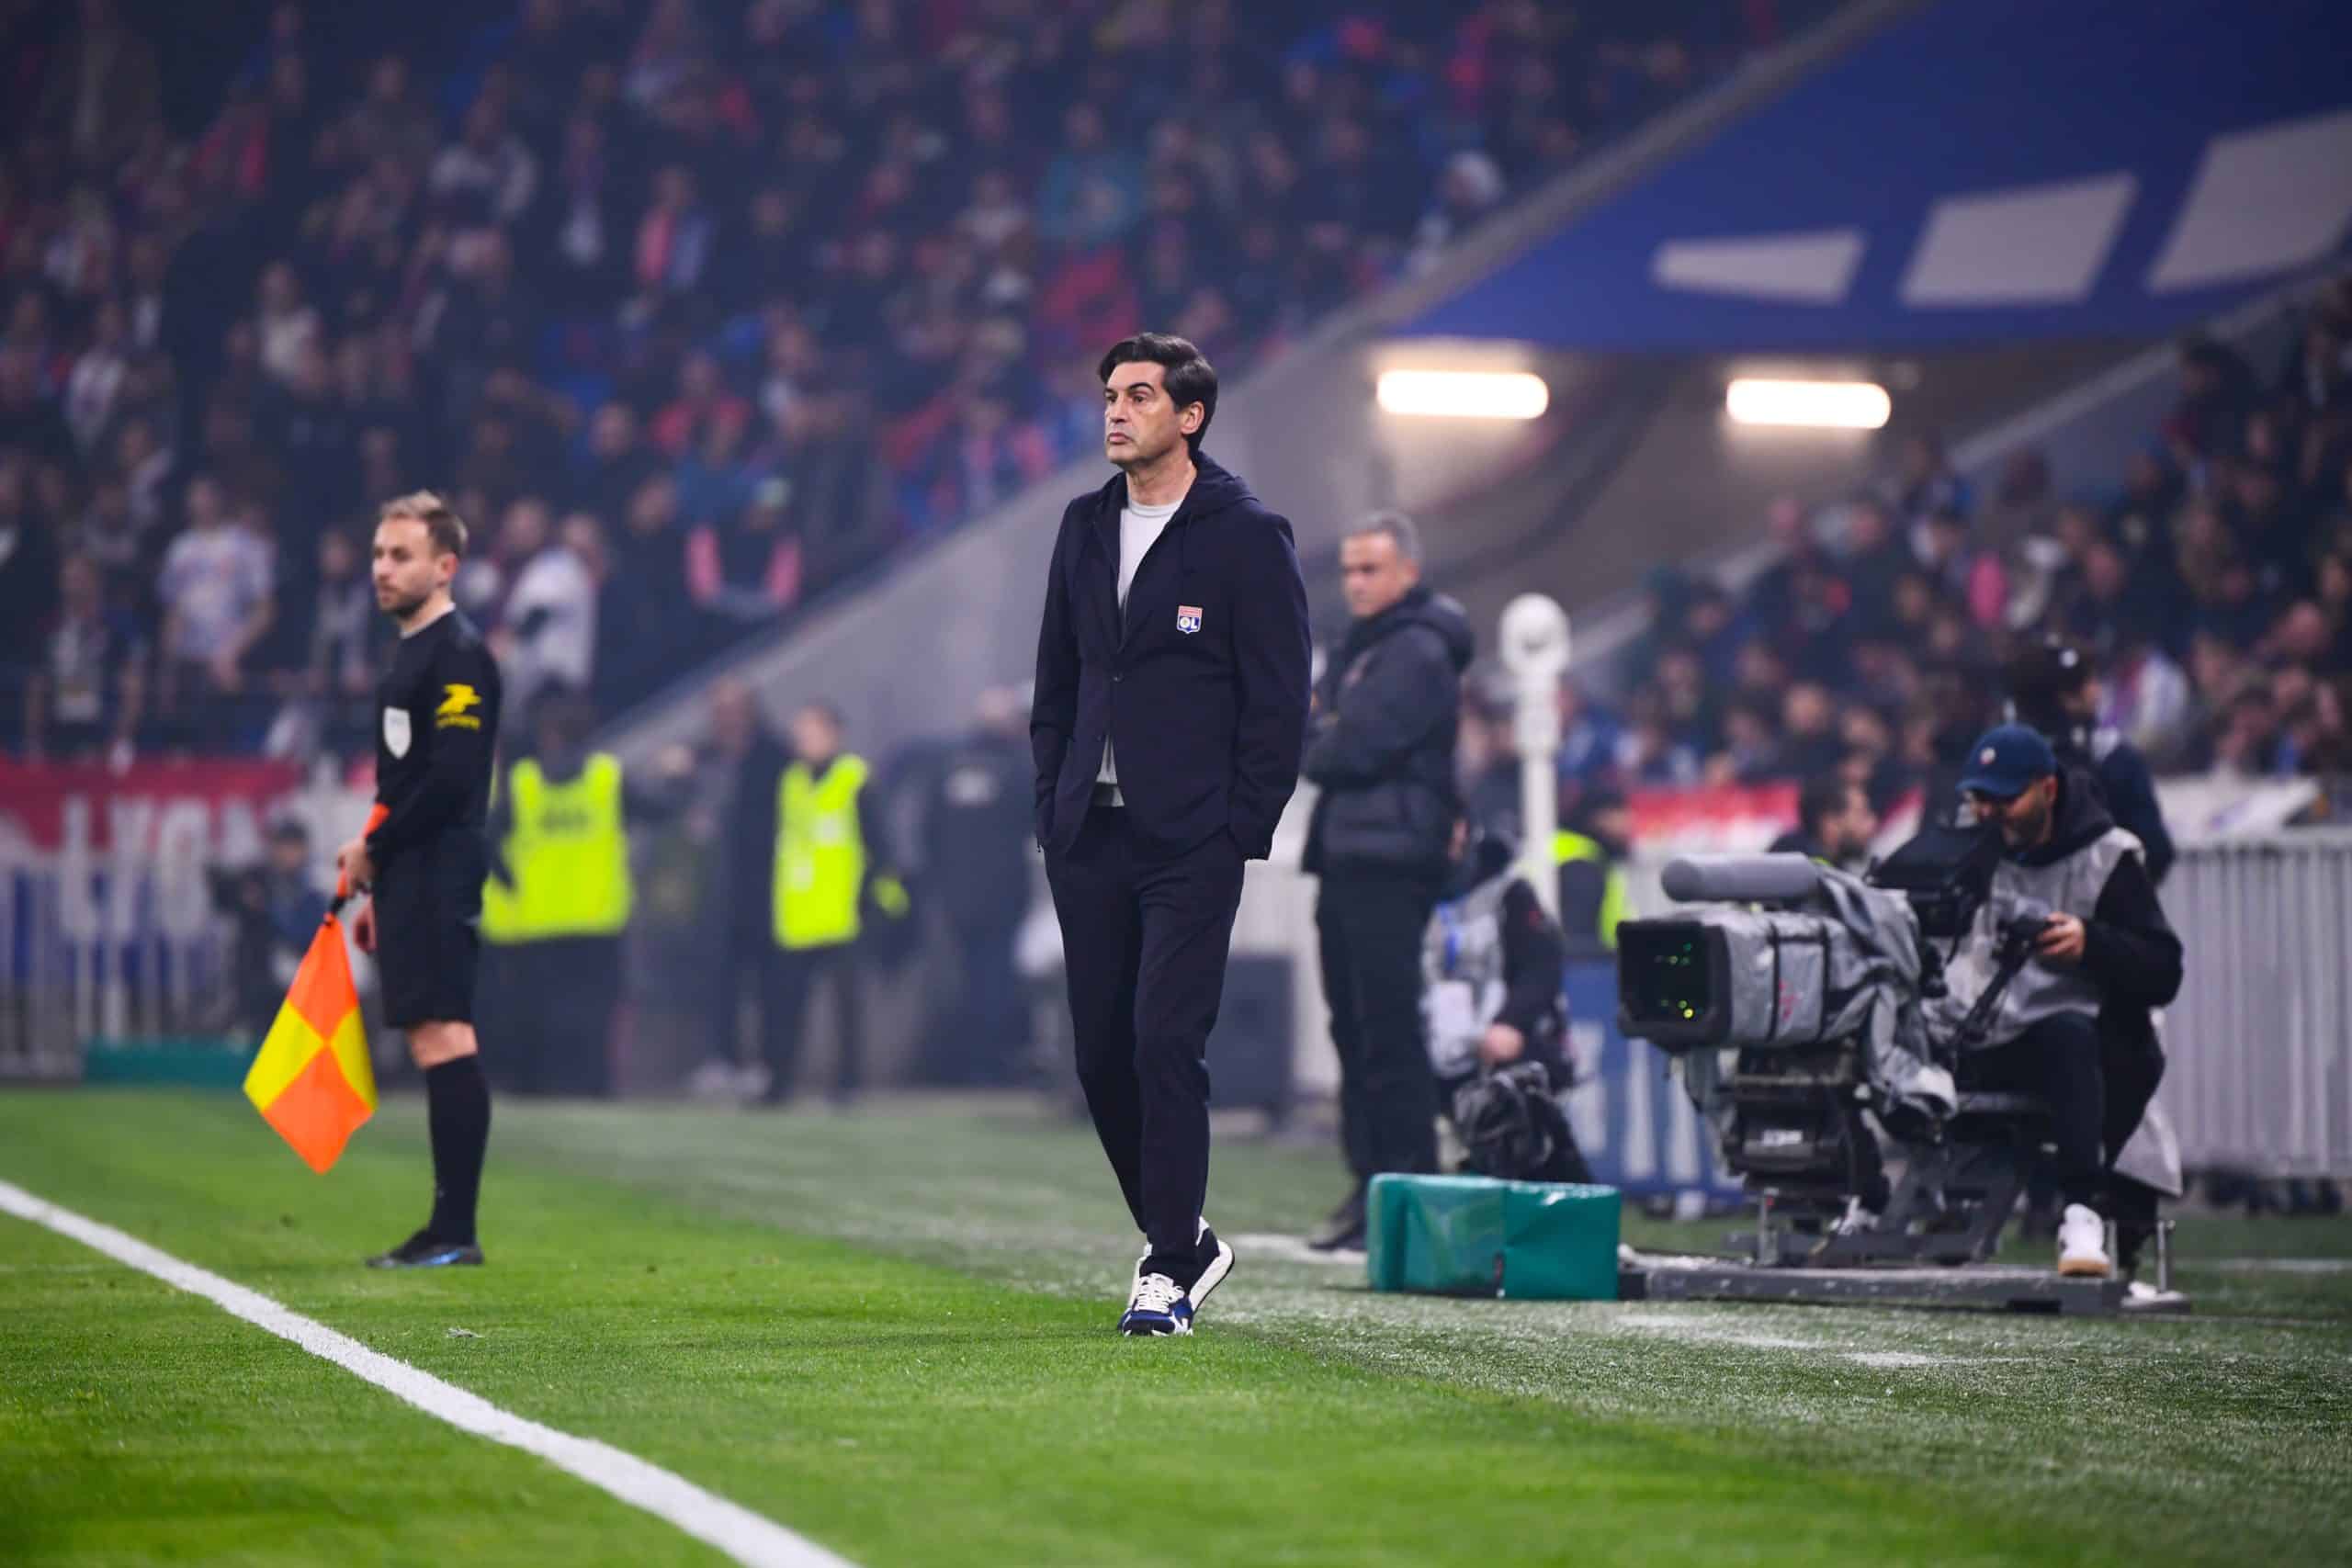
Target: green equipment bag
(1475,1236)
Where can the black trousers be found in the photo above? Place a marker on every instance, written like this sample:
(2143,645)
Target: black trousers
(789,980)
(981,1033)
(548,1012)
(2098,1092)
(1371,926)
(1143,941)
(740,969)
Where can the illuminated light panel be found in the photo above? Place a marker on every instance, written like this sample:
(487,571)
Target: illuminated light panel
(1819,405)
(1464,394)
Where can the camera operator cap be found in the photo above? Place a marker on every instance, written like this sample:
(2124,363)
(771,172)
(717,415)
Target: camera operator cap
(2006,759)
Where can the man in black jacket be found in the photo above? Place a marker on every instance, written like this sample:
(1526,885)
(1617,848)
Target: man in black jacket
(2054,686)
(1171,705)
(739,772)
(2074,1026)
(1382,750)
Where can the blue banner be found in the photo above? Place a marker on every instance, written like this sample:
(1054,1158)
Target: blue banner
(1981,171)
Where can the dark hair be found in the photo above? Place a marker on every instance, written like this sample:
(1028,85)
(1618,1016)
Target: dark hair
(447,530)
(1190,378)
(1823,797)
(2045,670)
(565,712)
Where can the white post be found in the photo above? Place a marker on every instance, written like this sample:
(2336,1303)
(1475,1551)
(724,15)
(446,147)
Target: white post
(1534,646)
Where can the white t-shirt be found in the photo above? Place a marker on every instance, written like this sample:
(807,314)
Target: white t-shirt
(563,646)
(1139,529)
(213,580)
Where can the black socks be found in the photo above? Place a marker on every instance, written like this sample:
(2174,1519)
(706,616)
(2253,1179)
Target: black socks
(457,1099)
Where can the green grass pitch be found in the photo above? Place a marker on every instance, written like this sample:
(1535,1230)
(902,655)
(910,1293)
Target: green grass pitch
(892,1331)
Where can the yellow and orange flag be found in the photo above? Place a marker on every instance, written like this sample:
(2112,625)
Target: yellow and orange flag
(311,1079)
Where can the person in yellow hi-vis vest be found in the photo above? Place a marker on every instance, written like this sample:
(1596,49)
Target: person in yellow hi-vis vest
(832,871)
(557,905)
(1590,857)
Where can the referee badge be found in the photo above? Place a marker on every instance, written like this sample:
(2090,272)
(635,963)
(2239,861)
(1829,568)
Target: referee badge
(396,731)
(1188,618)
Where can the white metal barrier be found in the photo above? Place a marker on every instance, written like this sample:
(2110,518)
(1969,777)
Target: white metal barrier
(2259,1045)
(107,928)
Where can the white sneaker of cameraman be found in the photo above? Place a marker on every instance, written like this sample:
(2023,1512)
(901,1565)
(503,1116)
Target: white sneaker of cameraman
(2082,1244)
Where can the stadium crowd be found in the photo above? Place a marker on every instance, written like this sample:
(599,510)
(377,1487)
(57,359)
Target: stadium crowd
(2212,590)
(692,306)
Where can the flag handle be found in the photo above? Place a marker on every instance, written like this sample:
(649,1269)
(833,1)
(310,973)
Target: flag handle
(343,892)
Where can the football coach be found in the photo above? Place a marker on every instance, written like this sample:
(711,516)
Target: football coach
(1171,710)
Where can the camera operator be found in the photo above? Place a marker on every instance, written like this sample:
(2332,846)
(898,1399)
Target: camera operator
(2074,1026)
(2053,687)
(1835,824)
(1492,964)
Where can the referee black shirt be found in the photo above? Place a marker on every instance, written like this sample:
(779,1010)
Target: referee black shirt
(437,727)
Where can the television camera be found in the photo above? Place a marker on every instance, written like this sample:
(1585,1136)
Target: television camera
(1793,1000)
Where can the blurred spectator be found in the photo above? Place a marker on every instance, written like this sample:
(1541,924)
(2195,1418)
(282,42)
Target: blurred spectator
(2216,394)
(674,238)
(362,260)
(1649,753)
(217,589)
(1810,745)
(548,630)
(276,908)
(741,770)
(102,91)
(616,460)
(645,623)
(2146,696)
(1926,483)
(1835,824)
(1471,187)
(1875,560)
(749,570)
(86,698)
(2022,500)
(1772,596)
(1961,571)
(977,824)
(487,176)
(341,635)
(1752,749)
(27,565)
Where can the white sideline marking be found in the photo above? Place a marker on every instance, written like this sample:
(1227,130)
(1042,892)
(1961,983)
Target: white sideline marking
(2285,1265)
(1266,1244)
(1716,1334)
(731,1529)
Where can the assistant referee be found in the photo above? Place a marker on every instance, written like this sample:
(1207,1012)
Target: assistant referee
(425,857)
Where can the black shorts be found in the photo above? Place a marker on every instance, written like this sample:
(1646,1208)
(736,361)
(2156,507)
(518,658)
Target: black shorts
(428,931)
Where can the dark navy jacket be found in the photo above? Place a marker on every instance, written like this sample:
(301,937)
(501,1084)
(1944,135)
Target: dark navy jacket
(1201,689)
(1384,738)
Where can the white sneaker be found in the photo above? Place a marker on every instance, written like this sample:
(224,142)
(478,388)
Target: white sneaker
(1157,1306)
(1858,1220)
(2082,1244)
(1212,1275)
(1135,1281)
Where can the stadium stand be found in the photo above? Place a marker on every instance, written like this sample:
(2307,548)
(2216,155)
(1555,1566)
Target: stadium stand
(695,307)
(2212,582)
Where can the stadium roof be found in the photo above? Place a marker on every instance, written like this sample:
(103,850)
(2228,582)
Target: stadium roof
(1983,170)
